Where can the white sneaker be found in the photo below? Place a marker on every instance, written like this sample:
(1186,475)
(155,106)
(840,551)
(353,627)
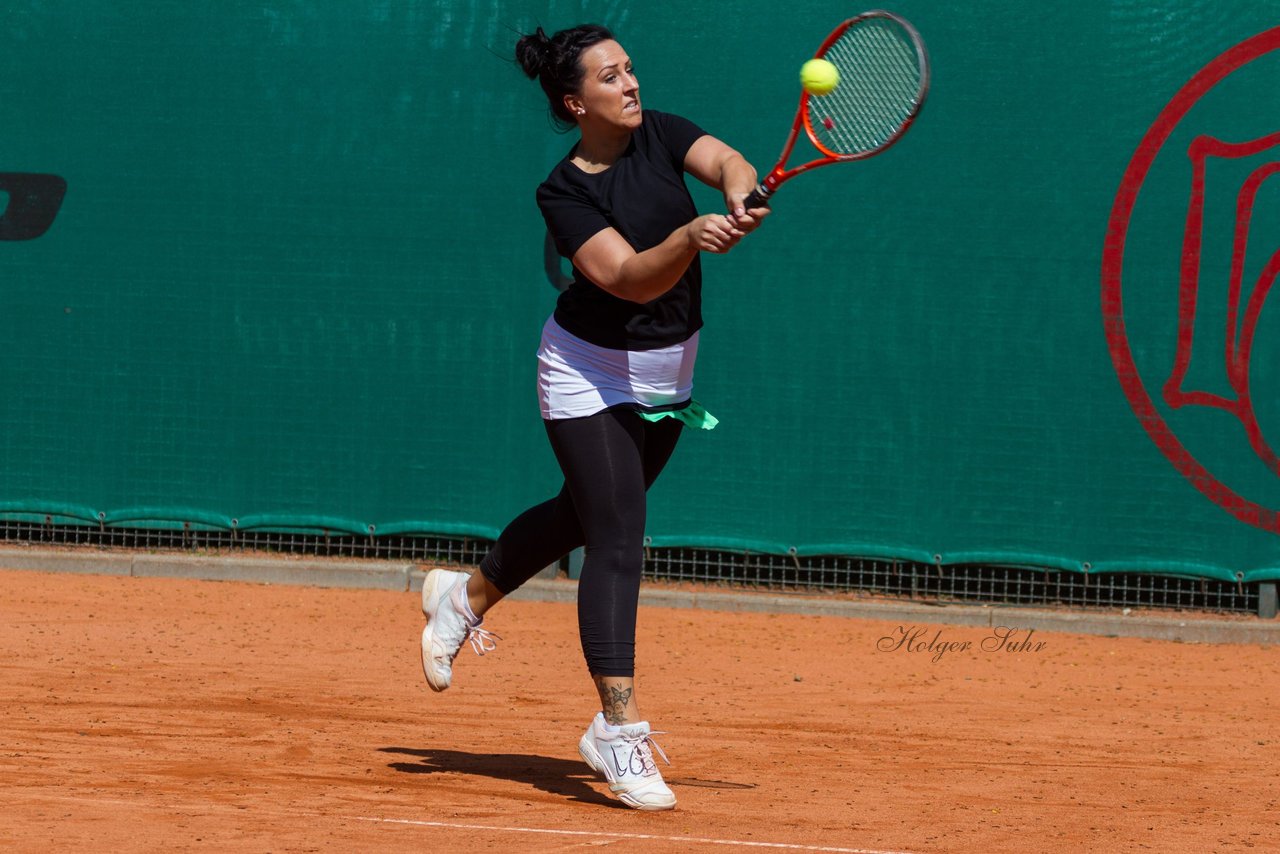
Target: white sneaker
(626,761)
(449,623)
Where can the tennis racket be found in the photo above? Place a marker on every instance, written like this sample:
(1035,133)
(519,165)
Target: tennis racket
(884,77)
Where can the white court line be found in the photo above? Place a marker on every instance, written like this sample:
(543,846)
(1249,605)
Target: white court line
(600,833)
(206,807)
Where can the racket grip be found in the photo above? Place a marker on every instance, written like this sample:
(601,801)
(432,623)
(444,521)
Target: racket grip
(757,198)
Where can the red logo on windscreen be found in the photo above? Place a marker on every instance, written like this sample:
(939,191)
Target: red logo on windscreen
(1225,270)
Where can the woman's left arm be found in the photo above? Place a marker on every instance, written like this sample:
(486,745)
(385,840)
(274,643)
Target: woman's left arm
(717,165)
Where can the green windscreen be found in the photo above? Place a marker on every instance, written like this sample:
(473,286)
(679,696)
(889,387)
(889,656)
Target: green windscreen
(278,265)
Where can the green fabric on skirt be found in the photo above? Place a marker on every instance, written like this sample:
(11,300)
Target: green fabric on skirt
(692,415)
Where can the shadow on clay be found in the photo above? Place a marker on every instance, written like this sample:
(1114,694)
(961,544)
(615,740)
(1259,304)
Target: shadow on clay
(566,778)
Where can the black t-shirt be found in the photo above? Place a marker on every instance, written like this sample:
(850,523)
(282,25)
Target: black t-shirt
(643,196)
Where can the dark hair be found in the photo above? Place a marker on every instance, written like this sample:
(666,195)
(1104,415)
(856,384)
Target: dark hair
(555,62)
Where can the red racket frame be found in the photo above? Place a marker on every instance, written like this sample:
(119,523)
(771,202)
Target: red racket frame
(780,173)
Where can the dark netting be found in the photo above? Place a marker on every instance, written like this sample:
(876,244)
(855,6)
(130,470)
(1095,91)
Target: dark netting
(972,584)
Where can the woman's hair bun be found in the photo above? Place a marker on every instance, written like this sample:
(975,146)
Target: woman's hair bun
(533,52)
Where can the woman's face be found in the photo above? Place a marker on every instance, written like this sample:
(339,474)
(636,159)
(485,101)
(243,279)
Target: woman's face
(610,94)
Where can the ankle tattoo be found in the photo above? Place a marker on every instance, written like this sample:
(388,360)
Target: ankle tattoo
(614,702)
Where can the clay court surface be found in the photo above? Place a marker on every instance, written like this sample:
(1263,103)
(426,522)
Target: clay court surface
(156,714)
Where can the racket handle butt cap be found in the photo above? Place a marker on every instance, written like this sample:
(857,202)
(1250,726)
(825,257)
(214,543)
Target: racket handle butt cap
(758,198)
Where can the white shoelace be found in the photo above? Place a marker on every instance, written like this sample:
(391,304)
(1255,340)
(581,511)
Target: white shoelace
(482,640)
(642,745)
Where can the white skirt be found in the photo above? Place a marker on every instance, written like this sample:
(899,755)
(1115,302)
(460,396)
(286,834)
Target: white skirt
(576,378)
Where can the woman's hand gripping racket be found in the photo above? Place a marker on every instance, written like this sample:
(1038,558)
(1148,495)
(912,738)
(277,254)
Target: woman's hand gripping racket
(883,79)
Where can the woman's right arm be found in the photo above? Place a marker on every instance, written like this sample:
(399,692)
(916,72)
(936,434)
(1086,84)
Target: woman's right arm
(608,259)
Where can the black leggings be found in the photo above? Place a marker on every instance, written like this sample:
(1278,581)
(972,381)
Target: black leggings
(609,460)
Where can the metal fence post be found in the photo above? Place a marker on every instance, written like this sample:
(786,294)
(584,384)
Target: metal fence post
(1267,600)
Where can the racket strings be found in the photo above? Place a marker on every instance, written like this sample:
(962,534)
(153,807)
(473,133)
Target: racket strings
(881,78)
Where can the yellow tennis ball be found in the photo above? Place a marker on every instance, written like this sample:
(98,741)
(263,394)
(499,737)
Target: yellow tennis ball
(819,77)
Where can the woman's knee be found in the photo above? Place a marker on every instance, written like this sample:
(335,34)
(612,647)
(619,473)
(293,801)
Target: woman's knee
(615,558)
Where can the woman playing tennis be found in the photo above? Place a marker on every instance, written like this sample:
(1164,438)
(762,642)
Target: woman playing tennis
(615,375)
